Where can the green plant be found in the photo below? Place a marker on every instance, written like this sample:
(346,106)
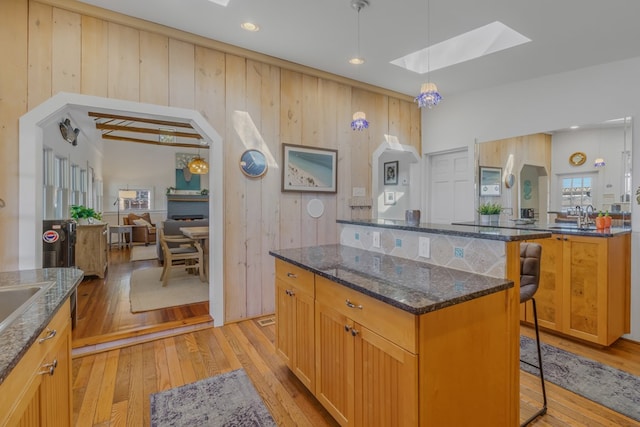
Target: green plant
(170,190)
(204,192)
(490,209)
(81,211)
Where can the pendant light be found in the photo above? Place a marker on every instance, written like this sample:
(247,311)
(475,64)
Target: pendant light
(429,95)
(198,165)
(359,118)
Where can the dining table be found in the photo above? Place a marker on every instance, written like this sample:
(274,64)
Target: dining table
(200,234)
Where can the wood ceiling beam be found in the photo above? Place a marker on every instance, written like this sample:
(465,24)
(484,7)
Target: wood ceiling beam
(146,141)
(140,119)
(103,126)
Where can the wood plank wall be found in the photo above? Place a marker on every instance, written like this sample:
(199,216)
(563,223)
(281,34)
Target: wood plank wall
(252,100)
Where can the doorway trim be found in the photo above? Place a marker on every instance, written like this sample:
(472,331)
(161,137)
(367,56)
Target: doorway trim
(30,179)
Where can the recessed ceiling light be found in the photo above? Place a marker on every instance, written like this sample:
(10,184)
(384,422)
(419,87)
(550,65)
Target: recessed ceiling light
(356,61)
(482,41)
(250,26)
(574,127)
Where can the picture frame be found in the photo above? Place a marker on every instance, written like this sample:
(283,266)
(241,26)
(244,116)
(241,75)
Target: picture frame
(309,169)
(390,173)
(490,182)
(389,197)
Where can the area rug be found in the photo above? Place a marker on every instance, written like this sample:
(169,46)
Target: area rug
(610,387)
(224,400)
(147,293)
(141,253)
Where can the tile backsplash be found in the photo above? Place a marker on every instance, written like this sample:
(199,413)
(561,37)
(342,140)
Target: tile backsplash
(462,253)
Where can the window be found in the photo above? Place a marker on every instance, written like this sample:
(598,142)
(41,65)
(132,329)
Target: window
(576,190)
(139,199)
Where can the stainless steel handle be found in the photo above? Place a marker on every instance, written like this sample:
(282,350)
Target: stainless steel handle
(290,292)
(293,276)
(50,368)
(347,328)
(354,332)
(50,334)
(352,305)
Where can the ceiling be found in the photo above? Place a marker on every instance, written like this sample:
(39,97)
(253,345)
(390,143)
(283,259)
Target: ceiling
(566,34)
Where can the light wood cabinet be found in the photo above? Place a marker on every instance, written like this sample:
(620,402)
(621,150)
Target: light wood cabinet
(363,378)
(585,287)
(40,384)
(378,365)
(295,321)
(91,249)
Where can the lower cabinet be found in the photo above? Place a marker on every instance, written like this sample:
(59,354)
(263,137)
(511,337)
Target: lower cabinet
(295,321)
(40,385)
(372,364)
(91,249)
(363,379)
(584,287)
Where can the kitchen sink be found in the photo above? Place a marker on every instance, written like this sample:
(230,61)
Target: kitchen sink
(14,300)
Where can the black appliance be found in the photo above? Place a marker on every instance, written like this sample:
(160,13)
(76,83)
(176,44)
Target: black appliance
(59,250)
(58,243)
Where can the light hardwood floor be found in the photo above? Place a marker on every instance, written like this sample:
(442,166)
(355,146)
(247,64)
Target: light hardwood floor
(113,387)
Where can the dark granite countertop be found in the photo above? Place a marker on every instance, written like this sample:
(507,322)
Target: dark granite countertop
(462,229)
(412,286)
(17,336)
(557,228)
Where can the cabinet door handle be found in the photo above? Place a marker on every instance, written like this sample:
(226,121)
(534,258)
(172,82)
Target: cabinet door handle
(293,276)
(50,368)
(290,292)
(50,334)
(347,328)
(352,305)
(354,332)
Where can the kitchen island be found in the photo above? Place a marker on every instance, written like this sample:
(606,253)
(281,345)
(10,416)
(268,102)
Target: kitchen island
(35,347)
(387,340)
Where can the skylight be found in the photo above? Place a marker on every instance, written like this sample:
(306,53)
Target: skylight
(482,41)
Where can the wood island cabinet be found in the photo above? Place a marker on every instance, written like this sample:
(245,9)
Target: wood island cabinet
(40,384)
(295,321)
(379,365)
(364,378)
(584,287)
(91,249)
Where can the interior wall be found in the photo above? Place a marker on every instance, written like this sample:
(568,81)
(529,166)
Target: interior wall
(552,102)
(254,101)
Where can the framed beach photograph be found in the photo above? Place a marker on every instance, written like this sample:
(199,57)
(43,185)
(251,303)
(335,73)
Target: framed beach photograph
(490,181)
(391,173)
(309,169)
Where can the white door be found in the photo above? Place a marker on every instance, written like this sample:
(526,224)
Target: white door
(451,196)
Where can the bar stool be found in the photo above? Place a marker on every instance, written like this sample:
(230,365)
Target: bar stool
(530,254)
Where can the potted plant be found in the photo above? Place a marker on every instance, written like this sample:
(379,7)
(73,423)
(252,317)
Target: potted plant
(84,215)
(489,213)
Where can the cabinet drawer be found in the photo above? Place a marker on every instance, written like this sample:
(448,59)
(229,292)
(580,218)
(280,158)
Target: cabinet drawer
(295,276)
(394,324)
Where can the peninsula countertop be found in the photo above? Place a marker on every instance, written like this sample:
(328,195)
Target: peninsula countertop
(557,228)
(17,336)
(413,286)
(505,234)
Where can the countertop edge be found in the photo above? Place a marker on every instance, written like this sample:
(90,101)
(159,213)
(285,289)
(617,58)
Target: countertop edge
(496,233)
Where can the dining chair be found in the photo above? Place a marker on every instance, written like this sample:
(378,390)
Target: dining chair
(188,256)
(530,255)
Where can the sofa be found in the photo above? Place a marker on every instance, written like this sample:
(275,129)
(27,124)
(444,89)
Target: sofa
(171,227)
(142,229)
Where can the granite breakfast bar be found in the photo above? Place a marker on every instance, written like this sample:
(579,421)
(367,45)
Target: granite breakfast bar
(384,339)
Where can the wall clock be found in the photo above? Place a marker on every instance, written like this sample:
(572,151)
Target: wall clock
(253,163)
(577,158)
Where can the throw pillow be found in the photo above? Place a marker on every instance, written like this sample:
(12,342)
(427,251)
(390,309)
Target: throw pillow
(141,221)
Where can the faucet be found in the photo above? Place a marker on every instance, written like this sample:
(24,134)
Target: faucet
(587,219)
